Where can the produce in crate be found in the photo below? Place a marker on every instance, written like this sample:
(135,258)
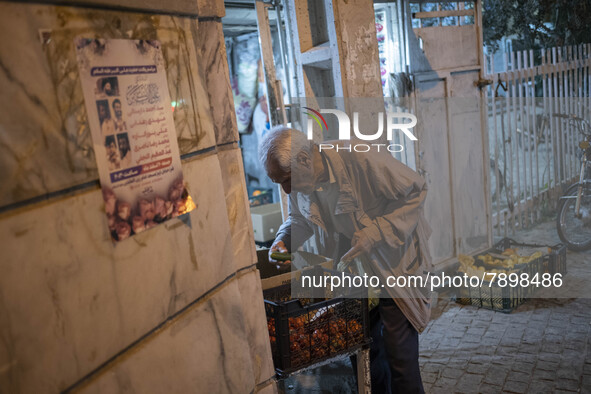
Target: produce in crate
(281,256)
(504,293)
(305,331)
(493,263)
(314,336)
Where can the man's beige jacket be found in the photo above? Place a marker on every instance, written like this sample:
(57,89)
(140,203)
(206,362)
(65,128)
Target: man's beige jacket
(383,198)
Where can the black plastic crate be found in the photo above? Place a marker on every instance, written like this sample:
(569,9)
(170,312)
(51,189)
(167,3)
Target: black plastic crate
(501,298)
(307,331)
(557,260)
(506,299)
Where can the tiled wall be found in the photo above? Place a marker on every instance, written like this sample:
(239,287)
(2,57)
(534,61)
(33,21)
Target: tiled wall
(174,309)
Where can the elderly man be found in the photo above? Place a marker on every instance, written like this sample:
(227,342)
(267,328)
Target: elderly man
(365,207)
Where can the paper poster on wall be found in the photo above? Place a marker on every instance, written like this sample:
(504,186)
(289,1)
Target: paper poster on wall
(130,118)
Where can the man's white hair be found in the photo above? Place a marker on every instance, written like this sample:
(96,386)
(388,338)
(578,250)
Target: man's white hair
(282,144)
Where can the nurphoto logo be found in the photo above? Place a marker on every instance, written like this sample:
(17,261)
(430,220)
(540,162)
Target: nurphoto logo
(394,121)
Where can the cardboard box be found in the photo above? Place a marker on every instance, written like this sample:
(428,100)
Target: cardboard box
(266,220)
(272,277)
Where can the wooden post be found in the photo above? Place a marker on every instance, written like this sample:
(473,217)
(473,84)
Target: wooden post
(363,372)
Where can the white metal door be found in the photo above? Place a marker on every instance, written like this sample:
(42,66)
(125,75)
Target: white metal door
(445,47)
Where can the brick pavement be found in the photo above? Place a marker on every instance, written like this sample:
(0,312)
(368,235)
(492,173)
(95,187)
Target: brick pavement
(543,346)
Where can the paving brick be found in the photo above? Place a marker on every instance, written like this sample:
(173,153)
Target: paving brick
(567,384)
(489,389)
(461,358)
(546,365)
(496,327)
(490,341)
(515,334)
(529,348)
(579,328)
(456,334)
(530,339)
(512,386)
(439,390)
(540,374)
(471,338)
(526,358)
(508,341)
(505,351)
(502,318)
(533,335)
(445,382)
(477,368)
(551,338)
(582,320)
(573,356)
(539,317)
(523,367)
(570,334)
(429,377)
(504,361)
(449,343)
(551,347)
(551,357)
(519,376)
(480,359)
(496,375)
(476,331)
(488,350)
(433,367)
(576,345)
(469,383)
(453,373)
(571,374)
(467,321)
(541,387)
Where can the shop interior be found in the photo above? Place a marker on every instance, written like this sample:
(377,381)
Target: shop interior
(241,27)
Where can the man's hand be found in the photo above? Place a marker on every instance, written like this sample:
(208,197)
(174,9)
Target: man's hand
(359,244)
(279,246)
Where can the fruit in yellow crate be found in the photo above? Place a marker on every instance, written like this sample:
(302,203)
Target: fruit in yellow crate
(465,260)
(489,276)
(510,251)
